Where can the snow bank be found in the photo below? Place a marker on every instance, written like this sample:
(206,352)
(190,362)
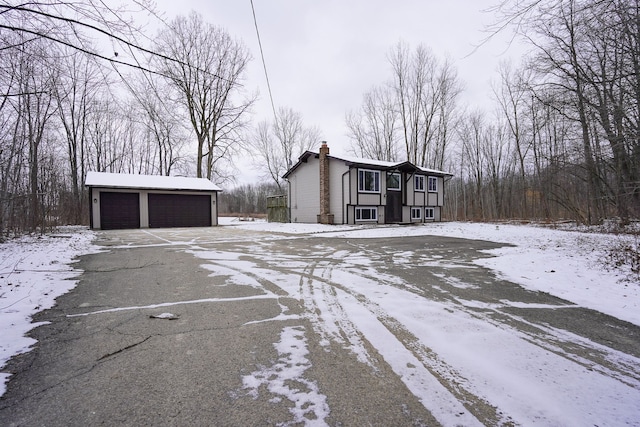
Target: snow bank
(34,271)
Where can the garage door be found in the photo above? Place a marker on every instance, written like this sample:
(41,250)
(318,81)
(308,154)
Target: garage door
(119,210)
(179,210)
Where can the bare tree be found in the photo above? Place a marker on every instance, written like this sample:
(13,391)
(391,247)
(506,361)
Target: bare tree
(62,112)
(78,25)
(162,127)
(278,145)
(34,110)
(207,74)
(374,130)
(426,92)
(497,152)
(78,82)
(512,96)
(247,199)
(473,138)
(586,52)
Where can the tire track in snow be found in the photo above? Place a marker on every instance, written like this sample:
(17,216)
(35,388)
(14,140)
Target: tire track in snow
(438,386)
(280,261)
(416,366)
(329,318)
(417,363)
(577,349)
(286,379)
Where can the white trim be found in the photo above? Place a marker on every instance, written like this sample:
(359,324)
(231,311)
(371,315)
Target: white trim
(428,211)
(373,211)
(418,211)
(416,179)
(432,188)
(361,181)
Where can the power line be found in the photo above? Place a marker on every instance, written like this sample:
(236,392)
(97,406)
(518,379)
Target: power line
(264,64)
(76,22)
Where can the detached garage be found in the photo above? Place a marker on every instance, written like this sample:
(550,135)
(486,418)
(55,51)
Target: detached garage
(120,201)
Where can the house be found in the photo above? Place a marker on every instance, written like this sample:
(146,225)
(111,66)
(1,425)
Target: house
(342,190)
(120,201)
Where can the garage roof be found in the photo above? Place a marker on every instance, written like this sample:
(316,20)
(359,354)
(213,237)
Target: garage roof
(155,182)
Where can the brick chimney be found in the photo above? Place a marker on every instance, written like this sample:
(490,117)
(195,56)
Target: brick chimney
(324,217)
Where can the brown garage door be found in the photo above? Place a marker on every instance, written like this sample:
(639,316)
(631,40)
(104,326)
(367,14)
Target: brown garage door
(179,210)
(119,210)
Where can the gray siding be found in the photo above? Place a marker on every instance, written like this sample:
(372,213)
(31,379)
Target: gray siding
(337,169)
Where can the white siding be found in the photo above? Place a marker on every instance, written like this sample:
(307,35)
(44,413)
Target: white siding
(304,192)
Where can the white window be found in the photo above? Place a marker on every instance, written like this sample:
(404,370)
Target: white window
(429,213)
(393,182)
(419,183)
(416,213)
(433,184)
(368,181)
(367,214)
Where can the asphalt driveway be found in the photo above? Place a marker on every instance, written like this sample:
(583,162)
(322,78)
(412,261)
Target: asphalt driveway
(228,327)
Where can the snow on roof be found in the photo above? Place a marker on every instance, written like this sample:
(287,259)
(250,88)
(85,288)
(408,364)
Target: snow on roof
(371,162)
(156,182)
(384,164)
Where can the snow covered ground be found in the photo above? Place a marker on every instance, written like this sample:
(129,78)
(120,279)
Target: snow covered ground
(566,264)
(34,271)
(531,379)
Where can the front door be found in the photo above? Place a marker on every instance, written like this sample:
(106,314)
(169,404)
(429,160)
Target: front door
(393,210)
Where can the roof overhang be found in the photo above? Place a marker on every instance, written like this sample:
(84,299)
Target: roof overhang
(406,167)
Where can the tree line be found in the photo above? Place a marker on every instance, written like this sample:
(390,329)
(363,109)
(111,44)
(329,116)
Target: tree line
(80,91)
(563,140)
(247,200)
(83,86)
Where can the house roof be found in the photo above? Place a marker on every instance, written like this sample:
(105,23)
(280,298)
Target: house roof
(151,182)
(370,163)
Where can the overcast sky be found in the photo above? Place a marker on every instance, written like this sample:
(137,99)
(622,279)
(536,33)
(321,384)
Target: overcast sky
(322,56)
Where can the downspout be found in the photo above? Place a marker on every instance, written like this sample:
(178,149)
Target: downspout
(288,199)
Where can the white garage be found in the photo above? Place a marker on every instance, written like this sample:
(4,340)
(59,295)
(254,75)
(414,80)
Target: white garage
(121,201)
